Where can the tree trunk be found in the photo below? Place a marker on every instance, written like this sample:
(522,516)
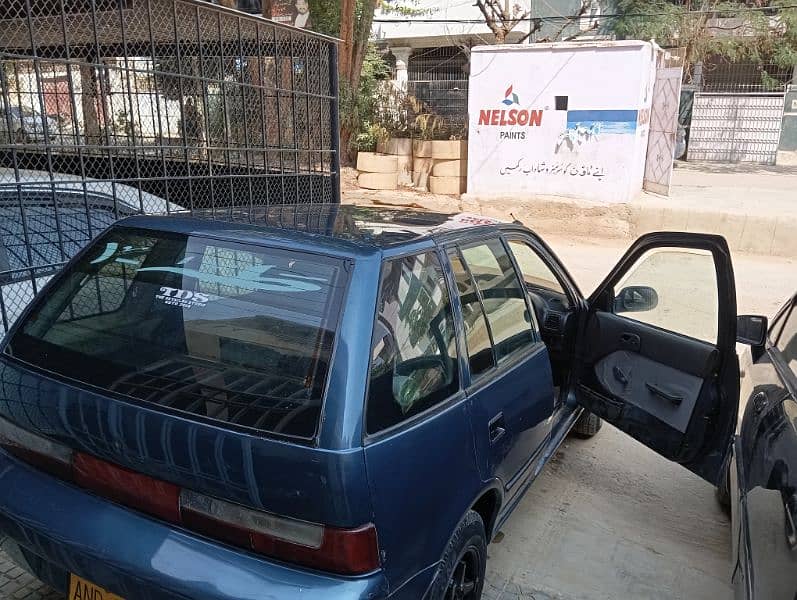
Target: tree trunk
(88,103)
(362,35)
(355,35)
(347,16)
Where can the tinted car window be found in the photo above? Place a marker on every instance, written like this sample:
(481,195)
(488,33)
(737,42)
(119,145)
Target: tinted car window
(502,296)
(220,330)
(477,332)
(534,270)
(413,355)
(787,339)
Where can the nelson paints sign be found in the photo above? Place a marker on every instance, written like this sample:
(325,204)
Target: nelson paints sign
(512,116)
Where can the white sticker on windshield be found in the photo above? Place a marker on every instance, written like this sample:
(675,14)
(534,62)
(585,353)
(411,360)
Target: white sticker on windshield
(182,298)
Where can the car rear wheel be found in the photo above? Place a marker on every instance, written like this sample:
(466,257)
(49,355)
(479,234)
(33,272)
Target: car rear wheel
(461,572)
(588,424)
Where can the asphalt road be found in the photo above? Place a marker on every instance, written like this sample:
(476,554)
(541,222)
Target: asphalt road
(607,518)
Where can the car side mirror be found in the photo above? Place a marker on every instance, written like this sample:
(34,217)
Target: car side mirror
(751,330)
(636,298)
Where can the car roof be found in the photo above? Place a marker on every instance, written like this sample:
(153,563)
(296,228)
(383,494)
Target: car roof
(327,226)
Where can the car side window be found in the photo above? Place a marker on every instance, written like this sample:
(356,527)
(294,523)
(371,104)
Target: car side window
(413,353)
(673,289)
(786,342)
(503,298)
(477,332)
(535,273)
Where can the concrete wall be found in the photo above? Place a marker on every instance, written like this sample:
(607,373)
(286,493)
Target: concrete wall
(560,119)
(788,133)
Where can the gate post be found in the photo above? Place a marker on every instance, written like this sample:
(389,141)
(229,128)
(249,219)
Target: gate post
(335,124)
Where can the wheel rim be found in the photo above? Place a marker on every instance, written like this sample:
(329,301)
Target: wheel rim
(464,582)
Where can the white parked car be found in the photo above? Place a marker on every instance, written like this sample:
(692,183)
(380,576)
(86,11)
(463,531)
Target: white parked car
(48,220)
(19,124)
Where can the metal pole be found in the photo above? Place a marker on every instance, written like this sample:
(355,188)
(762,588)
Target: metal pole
(335,121)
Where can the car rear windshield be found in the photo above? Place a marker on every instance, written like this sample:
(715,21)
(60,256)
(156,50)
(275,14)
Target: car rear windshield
(234,333)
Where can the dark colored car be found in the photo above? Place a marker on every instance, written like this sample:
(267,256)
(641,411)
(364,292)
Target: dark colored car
(761,483)
(335,402)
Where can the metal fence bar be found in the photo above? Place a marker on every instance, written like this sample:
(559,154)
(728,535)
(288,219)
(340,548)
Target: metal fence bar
(110,108)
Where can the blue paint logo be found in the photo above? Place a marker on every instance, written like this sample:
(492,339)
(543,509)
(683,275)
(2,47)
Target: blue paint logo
(510,97)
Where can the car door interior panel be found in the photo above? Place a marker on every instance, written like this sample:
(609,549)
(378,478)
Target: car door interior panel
(666,393)
(645,360)
(647,377)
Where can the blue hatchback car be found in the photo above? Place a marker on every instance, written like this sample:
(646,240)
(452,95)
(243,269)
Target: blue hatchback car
(335,402)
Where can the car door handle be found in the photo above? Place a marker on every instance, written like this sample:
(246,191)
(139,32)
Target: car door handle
(620,375)
(790,505)
(662,393)
(497,428)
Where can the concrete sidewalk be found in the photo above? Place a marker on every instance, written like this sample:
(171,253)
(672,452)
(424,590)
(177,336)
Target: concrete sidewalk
(754,207)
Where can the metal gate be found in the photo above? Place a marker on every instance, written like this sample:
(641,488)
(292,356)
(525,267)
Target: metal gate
(110,108)
(735,128)
(663,128)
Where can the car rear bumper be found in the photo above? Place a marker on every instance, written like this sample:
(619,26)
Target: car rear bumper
(57,529)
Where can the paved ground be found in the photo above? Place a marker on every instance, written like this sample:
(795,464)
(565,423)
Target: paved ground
(607,518)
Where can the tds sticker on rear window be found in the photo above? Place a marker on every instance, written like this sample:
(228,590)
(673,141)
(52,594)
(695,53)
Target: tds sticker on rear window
(182,298)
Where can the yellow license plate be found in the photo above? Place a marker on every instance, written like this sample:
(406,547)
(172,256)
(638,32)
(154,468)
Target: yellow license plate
(80,589)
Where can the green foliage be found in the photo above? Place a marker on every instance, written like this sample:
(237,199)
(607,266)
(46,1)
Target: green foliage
(404,8)
(326,17)
(358,109)
(735,31)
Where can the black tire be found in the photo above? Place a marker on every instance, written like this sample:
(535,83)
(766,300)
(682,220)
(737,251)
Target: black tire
(460,575)
(588,424)
(723,489)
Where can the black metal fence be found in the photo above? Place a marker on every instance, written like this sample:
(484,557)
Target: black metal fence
(116,107)
(438,77)
(718,75)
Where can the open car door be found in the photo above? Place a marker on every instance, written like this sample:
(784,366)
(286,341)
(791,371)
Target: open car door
(656,354)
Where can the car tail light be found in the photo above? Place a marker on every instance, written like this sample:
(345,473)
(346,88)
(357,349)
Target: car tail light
(41,452)
(344,551)
(132,489)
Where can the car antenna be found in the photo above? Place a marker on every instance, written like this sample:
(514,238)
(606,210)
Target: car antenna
(516,221)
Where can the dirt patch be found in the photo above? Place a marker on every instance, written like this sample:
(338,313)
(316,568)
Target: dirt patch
(549,214)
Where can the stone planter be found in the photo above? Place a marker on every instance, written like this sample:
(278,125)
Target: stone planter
(378,181)
(396,146)
(421,169)
(372,162)
(452,186)
(450,168)
(449,149)
(422,148)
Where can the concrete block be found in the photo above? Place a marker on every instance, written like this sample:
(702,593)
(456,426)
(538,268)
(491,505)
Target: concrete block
(728,225)
(784,240)
(647,218)
(447,185)
(404,169)
(372,162)
(674,219)
(758,235)
(450,149)
(422,148)
(396,146)
(786,158)
(378,181)
(421,169)
(450,168)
